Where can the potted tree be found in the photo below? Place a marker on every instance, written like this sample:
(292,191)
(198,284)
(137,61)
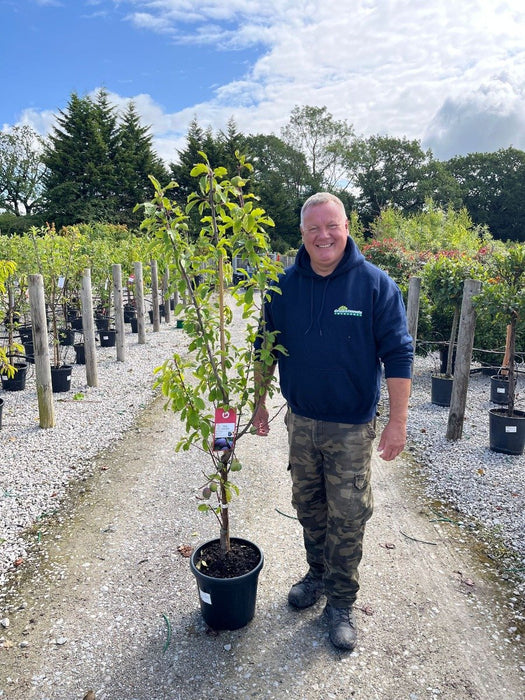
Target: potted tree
(57,262)
(443,277)
(12,372)
(503,296)
(212,387)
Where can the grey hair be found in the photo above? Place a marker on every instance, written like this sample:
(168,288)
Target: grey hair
(321,198)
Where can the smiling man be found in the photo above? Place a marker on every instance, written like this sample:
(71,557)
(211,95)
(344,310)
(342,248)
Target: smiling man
(342,320)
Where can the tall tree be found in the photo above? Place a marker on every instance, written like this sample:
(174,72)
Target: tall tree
(135,161)
(21,170)
(323,140)
(391,172)
(80,182)
(492,187)
(282,180)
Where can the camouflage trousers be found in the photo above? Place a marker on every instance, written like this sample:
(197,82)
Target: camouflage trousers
(330,465)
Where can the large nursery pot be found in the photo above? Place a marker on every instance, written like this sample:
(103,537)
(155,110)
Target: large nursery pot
(506,433)
(18,381)
(441,390)
(227,603)
(61,378)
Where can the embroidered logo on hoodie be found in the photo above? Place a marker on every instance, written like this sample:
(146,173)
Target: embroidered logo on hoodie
(345,311)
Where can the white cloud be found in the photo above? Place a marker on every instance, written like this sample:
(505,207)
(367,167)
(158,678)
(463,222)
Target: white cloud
(450,74)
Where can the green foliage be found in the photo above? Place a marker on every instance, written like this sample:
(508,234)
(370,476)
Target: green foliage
(7,270)
(97,167)
(218,370)
(502,298)
(391,257)
(59,261)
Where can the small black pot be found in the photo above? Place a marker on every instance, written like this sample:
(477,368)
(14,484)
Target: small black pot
(108,338)
(227,603)
(18,381)
(66,336)
(26,334)
(499,389)
(507,433)
(61,378)
(441,390)
(134,325)
(80,354)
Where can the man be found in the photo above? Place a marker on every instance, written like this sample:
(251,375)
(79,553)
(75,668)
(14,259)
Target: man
(340,319)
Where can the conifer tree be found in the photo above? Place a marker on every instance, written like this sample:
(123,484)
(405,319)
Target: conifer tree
(135,162)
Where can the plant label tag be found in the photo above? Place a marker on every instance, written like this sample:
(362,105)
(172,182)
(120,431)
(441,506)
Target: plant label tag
(205,597)
(511,429)
(500,390)
(224,431)
(60,282)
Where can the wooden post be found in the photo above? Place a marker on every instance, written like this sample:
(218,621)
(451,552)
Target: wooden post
(88,327)
(44,386)
(155,296)
(414,288)
(166,295)
(118,299)
(139,298)
(467,326)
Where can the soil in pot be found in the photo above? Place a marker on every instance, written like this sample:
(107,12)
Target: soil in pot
(242,559)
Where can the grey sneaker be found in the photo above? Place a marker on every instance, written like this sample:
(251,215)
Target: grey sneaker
(306,592)
(341,627)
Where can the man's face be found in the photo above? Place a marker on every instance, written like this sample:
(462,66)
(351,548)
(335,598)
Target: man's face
(324,232)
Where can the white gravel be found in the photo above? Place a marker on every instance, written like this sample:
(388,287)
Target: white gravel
(36,464)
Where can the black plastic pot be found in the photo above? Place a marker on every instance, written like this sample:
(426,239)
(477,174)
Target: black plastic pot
(108,338)
(61,378)
(506,433)
(1,409)
(129,313)
(80,354)
(66,336)
(29,350)
(18,381)
(499,389)
(441,390)
(227,603)
(26,334)
(102,323)
(76,323)
(134,325)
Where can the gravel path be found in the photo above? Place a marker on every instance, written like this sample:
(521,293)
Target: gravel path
(87,607)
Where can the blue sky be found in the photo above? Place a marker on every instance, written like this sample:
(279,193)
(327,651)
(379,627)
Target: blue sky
(450,73)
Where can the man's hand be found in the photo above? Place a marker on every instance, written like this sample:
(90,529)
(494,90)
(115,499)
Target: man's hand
(260,420)
(392,441)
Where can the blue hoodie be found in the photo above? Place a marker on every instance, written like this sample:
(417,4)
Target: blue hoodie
(337,330)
